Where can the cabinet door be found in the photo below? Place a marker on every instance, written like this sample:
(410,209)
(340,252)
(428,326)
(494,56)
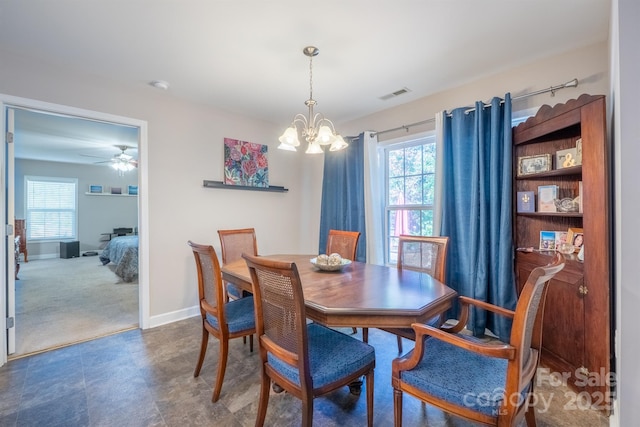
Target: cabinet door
(563,332)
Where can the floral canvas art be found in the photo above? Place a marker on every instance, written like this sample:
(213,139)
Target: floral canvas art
(245,163)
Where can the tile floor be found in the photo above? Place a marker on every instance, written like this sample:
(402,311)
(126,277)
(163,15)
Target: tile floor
(145,378)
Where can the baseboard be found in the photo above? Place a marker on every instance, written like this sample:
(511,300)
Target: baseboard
(614,418)
(174,316)
(55,255)
(44,256)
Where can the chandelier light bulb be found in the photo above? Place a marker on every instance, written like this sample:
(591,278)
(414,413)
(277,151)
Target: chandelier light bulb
(290,137)
(314,148)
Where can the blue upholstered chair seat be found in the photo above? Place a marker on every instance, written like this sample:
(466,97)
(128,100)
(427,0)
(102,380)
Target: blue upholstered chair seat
(460,376)
(332,356)
(235,292)
(240,315)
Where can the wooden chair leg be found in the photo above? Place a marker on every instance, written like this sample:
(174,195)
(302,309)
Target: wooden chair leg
(530,417)
(251,343)
(354,330)
(222,365)
(397,408)
(307,411)
(399,344)
(264,399)
(365,335)
(203,351)
(530,414)
(370,399)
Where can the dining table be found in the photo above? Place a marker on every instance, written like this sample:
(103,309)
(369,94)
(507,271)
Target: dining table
(360,294)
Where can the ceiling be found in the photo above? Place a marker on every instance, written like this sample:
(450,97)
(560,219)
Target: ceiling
(246,57)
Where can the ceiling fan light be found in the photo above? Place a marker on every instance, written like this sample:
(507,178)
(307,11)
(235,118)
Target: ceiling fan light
(290,137)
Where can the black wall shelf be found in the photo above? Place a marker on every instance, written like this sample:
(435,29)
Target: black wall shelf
(220,184)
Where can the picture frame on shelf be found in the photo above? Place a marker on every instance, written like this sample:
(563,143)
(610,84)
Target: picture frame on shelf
(132,190)
(561,238)
(579,151)
(547,241)
(116,190)
(547,195)
(567,158)
(580,196)
(575,236)
(529,165)
(526,202)
(95,189)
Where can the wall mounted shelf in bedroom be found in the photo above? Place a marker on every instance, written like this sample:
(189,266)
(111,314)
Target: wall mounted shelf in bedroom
(109,194)
(220,184)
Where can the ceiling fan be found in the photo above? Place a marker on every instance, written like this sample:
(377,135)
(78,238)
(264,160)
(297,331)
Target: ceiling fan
(122,161)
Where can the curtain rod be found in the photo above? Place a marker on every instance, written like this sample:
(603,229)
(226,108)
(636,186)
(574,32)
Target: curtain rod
(552,89)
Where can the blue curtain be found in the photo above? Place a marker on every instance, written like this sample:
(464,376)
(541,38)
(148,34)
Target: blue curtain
(477,209)
(343,194)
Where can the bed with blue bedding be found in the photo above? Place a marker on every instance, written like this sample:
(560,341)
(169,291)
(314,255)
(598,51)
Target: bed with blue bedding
(123,252)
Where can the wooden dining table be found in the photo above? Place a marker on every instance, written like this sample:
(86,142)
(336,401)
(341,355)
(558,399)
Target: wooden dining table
(359,295)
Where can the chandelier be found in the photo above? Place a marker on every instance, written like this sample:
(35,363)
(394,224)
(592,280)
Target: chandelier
(315,128)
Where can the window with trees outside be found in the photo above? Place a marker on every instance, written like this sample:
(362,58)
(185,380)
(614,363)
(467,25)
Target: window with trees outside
(51,208)
(410,192)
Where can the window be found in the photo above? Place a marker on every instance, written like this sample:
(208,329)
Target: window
(51,208)
(410,170)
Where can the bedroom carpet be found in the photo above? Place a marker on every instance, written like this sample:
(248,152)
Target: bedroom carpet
(63,301)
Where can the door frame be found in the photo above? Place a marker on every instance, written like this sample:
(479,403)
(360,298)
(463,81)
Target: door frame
(7,101)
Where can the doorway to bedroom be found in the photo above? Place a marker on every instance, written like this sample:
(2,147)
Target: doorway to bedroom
(64,296)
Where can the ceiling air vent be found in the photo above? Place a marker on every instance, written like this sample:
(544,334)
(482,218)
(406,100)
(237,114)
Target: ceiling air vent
(394,94)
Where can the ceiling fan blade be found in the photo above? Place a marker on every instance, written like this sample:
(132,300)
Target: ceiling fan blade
(89,155)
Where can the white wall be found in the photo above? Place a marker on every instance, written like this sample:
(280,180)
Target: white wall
(96,214)
(185,147)
(626,66)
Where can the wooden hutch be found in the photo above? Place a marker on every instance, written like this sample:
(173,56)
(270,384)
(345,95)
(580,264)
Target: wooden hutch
(577,319)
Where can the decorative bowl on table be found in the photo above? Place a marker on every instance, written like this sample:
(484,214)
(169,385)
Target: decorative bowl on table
(333,262)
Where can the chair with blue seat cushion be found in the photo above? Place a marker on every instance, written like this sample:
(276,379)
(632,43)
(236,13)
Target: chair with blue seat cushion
(427,254)
(345,243)
(235,242)
(487,382)
(224,320)
(307,360)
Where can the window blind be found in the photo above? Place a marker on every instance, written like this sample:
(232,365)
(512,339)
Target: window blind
(51,208)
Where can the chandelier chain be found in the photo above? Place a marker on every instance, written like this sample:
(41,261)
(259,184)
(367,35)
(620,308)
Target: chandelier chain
(311,77)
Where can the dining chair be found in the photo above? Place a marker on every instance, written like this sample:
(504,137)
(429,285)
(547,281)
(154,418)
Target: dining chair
(234,243)
(307,360)
(345,243)
(224,320)
(490,383)
(427,254)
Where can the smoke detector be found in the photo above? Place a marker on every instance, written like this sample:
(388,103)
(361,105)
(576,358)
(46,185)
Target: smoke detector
(159,84)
